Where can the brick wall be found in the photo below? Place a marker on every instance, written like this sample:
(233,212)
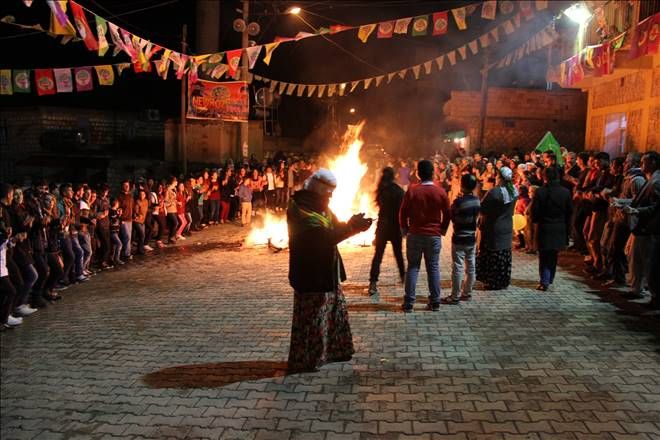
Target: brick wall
(653,141)
(655,88)
(623,90)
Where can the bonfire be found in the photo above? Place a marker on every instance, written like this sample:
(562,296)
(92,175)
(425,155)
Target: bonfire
(349,197)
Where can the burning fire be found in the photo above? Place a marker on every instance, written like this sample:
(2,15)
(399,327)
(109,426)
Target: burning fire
(348,198)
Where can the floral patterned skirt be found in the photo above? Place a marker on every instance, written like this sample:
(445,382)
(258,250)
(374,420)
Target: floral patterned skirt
(494,268)
(320,332)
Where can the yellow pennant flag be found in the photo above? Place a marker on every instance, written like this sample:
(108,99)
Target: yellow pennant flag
(459,17)
(269,52)
(59,22)
(105,74)
(365,31)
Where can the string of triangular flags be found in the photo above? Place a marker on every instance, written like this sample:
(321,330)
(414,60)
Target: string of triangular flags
(450,58)
(141,50)
(599,59)
(541,39)
(50,81)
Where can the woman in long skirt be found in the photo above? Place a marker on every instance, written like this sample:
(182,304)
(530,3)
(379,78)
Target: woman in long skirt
(320,332)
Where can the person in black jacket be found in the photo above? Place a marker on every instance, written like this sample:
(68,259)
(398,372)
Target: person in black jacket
(320,332)
(389,196)
(552,209)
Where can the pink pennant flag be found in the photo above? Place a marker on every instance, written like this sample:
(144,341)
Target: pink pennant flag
(253,54)
(83,77)
(63,80)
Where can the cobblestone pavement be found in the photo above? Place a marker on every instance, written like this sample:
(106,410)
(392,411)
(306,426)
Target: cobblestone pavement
(192,344)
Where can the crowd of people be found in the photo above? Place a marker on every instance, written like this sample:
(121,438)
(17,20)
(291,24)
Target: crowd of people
(54,235)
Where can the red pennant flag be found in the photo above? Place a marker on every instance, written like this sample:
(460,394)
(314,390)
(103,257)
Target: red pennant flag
(645,37)
(45,81)
(233,60)
(339,28)
(83,27)
(526,9)
(83,77)
(385,29)
(603,60)
(440,23)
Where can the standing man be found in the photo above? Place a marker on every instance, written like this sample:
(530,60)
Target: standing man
(552,210)
(126,203)
(424,216)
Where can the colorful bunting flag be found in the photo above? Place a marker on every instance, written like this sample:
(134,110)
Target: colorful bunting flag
(526,9)
(379,79)
(84,82)
(128,45)
(385,29)
(101,30)
(310,90)
(331,90)
(489,9)
(270,48)
(427,67)
(603,59)
(484,40)
(495,33)
(462,51)
(506,6)
(45,82)
(508,27)
(459,17)
(272,86)
(302,35)
(83,27)
(219,70)
(234,60)
(474,46)
(420,25)
(290,89)
(390,76)
(541,5)
(59,22)
(452,57)
(416,70)
(354,84)
(365,31)
(282,88)
(301,90)
(63,80)
(321,90)
(402,73)
(252,54)
(339,28)
(105,75)
(440,61)
(5,82)
(440,23)
(401,25)
(516,20)
(21,81)
(645,37)
(116,39)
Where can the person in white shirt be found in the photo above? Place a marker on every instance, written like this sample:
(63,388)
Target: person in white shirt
(271,193)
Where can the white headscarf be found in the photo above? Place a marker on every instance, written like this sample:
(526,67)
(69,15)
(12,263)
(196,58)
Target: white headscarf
(509,192)
(322,182)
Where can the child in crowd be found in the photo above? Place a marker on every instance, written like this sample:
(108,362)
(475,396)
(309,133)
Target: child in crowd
(244,193)
(529,232)
(521,207)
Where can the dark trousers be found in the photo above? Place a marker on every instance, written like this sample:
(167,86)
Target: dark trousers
(617,262)
(103,234)
(56,269)
(654,275)
(68,257)
(17,280)
(381,242)
(7,298)
(41,264)
(547,265)
(148,231)
(160,220)
(581,214)
(172,225)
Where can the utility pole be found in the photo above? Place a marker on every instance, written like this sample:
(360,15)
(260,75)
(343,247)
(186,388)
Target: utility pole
(245,126)
(183,150)
(484,101)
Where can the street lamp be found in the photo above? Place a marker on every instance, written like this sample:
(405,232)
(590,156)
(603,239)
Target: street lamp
(578,13)
(352,110)
(295,10)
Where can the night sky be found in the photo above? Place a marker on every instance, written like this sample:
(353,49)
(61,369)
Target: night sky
(401,112)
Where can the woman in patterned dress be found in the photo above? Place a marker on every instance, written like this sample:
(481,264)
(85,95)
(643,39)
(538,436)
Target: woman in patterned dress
(320,332)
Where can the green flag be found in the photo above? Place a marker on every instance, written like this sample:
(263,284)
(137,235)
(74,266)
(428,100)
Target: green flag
(420,25)
(549,143)
(21,81)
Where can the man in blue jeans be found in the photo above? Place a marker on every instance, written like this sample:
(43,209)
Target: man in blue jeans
(424,218)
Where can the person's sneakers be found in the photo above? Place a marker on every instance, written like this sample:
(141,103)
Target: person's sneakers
(82,279)
(25,310)
(449,300)
(542,287)
(119,263)
(407,308)
(14,321)
(433,307)
(373,288)
(148,248)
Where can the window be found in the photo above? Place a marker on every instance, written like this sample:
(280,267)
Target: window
(615,134)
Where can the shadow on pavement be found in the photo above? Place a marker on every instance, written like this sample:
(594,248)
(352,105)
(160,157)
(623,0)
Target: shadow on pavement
(379,307)
(214,375)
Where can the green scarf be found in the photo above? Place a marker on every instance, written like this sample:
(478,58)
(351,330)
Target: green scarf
(305,219)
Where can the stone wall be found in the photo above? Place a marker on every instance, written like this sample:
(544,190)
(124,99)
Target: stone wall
(622,90)
(653,141)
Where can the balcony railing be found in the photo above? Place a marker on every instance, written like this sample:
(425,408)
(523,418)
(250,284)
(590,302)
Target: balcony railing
(619,15)
(648,8)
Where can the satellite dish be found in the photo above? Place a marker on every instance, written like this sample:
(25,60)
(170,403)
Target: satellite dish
(253,28)
(239,25)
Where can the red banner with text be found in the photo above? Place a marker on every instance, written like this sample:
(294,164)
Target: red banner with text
(228,101)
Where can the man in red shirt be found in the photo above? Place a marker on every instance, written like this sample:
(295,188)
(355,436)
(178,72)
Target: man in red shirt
(424,218)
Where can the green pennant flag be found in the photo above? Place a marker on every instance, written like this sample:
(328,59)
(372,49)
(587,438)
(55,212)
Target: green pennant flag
(21,81)
(549,143)
(420,25)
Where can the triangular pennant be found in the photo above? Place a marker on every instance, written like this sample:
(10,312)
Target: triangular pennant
(469,9)
(452,57)
(508,27)
(273,85)
(462,51)
(290,88)
(123,66)
(367,83)
(508,59)
(474,46)
(321,90)
(310,90)
(301,90)
(541,5)
(270,48)
(341,89)
(440,23)
(331,90)
(402,73)
(282,87)
(459,17)
(484,40)
(162,67)
(45,82)
(385,29)
(526,9)
(390,76)
(116,39)
(302,35)
(234,60)
(365,31)
(83,77)
(105,75)
(59,22)
(440,61)
(427,67)
(495,33)
(339,28)
(252,54)
(101,30)
(83,27)
(416,70)
(489,9)
(128,46)
(401,25)
(6,82)
(420,25)
(516,20)
(63,80)
(379,79)
(21,81)
(354,84)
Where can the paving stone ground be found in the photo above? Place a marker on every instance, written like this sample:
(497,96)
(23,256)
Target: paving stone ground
(192,343)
